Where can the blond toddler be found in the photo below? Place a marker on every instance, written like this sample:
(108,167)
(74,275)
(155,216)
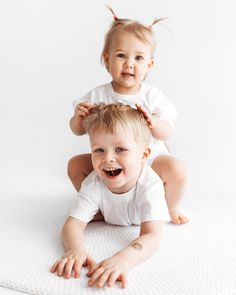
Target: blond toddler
(123,188)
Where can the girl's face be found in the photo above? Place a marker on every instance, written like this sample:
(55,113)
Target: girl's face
(128,61)
(118,158)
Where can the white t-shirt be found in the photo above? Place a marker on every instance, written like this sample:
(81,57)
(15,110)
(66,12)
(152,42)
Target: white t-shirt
(145,202)
(151,98)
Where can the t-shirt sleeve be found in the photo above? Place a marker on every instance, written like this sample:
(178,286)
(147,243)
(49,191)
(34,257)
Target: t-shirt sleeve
(87,203)
(161,106)
(153,205)
(86,97)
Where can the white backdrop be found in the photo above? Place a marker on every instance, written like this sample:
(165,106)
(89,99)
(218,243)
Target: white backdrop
(49,56)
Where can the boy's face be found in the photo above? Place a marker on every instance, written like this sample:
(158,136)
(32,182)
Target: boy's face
(117,158)
(128,61)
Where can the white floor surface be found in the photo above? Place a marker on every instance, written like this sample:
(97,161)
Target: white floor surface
(198,258)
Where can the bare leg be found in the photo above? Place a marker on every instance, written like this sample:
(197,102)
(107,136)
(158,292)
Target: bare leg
(79,167)
(173,174)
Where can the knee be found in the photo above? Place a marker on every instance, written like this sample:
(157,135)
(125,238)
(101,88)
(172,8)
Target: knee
(178,172)
(72,167)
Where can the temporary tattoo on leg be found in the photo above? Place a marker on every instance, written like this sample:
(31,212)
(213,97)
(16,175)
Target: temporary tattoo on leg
(137,246)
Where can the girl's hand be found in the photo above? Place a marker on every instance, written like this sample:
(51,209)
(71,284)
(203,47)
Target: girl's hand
(83,109)
(71,263)
(147,116)
(107,272)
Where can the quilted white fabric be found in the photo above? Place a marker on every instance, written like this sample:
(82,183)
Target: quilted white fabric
(198,258)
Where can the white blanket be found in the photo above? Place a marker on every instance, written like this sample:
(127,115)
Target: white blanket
(198,258)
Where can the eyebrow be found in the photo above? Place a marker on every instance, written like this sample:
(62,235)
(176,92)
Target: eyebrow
(116,144)
(137,52)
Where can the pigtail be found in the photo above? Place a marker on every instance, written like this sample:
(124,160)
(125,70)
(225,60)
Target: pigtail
(157,20)
(112,11)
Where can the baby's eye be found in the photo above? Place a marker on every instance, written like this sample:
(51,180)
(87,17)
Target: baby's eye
(139,57)
(98,150)
(121,55)
(120,149)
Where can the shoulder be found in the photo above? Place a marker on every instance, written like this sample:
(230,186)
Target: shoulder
(91,183)
(150,90)
(95,95)
(148,176)
(149,183)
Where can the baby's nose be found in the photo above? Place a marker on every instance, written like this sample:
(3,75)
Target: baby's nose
(109,157)
(129,63)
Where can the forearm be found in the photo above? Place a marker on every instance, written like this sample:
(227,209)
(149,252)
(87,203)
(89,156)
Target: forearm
(73,235)
(161,129)
(140,249)
(77,126)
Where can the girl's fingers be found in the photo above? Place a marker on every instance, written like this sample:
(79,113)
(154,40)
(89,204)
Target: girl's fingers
(82,110)
(87,105)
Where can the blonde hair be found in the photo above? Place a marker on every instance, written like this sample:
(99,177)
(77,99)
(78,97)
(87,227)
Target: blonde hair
(108,117)
(140,31)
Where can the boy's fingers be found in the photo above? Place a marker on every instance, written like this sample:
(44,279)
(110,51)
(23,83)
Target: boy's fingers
(92,269)
(96,274)
(77,267)
(68,268)
(55,265)
(90,262)
(61,266)
(103,278)
(123,280)
(113,277)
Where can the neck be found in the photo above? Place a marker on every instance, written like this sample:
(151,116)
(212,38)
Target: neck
(125,90)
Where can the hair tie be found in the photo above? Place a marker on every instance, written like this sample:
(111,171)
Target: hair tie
(111,10)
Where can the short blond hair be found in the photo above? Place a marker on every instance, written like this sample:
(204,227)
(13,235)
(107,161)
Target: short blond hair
(107,117)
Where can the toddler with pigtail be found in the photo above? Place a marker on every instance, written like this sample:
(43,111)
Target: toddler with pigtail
(128,55)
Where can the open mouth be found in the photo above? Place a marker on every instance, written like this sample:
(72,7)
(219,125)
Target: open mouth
(112,172)
(127,75)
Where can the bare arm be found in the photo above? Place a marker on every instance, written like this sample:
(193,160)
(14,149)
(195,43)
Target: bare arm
(75,253)
(144,246)
(115,268)
(73,234)
(82,110)
(160,129)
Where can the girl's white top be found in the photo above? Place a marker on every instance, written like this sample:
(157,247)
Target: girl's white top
(151,98)
(145,202)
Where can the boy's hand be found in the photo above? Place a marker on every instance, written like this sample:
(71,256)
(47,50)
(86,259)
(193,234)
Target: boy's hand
(71,262)
(107,272)
(82,110)
(147,116)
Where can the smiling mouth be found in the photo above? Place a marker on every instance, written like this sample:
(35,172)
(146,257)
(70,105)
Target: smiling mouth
(111,172)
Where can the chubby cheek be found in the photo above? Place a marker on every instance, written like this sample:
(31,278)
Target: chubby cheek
(95,163)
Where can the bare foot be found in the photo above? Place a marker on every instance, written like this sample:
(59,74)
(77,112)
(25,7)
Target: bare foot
(177,217)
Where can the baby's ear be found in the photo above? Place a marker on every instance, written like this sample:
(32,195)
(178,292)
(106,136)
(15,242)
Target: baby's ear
(106,60)
(146,153)
(151,64)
